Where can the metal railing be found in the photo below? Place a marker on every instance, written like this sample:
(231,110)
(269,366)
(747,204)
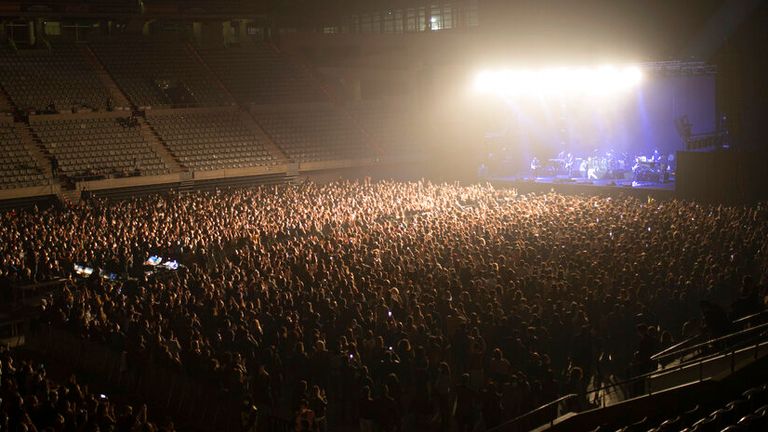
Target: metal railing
(12,333)
(678,347)
(711,342)
(525,420)
(21,292)
(763,315)
(630,388)
(699,362)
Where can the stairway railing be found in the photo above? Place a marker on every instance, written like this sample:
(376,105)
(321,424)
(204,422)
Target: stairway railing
(711,342)
(525,419)
(640,385)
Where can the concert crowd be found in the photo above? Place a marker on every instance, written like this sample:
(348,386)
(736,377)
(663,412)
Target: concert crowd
(32,402)
(390,305)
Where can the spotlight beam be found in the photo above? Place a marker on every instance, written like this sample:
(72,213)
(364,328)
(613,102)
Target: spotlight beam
(581,81)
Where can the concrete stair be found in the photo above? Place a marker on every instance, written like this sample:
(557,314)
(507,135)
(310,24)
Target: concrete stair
(186,187)
(70,196)
(150,136)
(266,140)
(118,97)
(35,148)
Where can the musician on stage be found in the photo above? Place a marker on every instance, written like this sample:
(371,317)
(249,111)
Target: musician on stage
(656,157)
(569,161)
(535,164)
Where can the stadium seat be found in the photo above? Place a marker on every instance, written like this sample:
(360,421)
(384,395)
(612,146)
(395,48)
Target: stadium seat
(159,73)
(388,126)
(314,134)
(259,74)
(98,146)
(35,79)
(17,167)
(211,140)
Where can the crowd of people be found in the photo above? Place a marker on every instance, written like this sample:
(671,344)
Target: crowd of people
(395,305)
(31,402)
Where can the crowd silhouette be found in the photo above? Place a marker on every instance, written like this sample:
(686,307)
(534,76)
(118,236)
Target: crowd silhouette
(394,305)
(32,402)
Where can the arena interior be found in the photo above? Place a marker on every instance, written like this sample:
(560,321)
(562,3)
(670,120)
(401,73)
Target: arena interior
(383,215)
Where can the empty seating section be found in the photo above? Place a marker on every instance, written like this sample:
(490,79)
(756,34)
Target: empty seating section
(314,134)
(17,167)
(259,74)
(155,73)
(387,124)
(98,146)
(36,78)
(211,140)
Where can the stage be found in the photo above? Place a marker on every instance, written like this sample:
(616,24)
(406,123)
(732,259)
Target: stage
(579,185)
(602,130)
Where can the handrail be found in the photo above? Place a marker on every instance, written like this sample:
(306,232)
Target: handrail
(715,340)
(16,327)
(586,394)
(529,413)
(43,284)
(656,372)
(680,366)
(13,322)
(741,320)
(675,346)
(750,317)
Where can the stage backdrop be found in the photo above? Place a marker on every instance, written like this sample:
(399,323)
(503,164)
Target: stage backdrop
(638,122)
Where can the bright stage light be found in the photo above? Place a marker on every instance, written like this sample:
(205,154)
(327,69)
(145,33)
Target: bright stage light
(583,81)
